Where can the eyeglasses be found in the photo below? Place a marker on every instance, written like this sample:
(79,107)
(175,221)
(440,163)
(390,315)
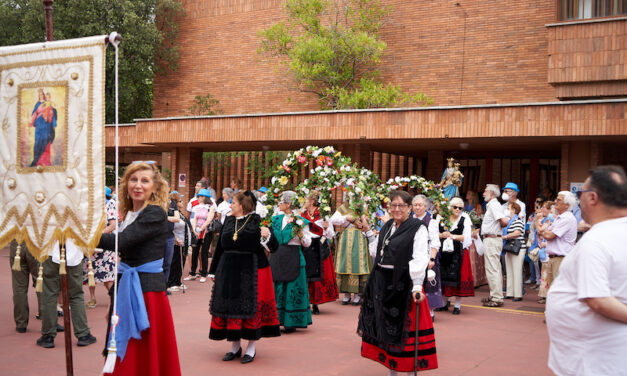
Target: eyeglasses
(579,193)
(398,206)
(457,207)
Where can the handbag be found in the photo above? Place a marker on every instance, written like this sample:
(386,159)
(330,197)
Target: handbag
(215,225)
(512,246)
(447,245)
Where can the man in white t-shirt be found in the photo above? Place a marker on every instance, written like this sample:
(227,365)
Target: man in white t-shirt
(492,231)
(586,310)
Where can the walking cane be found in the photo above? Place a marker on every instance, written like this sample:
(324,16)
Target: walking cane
(416,339)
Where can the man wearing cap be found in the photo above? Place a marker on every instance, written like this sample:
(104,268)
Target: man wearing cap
(510,194)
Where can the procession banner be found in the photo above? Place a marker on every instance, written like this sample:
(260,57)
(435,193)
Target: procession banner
(52,143)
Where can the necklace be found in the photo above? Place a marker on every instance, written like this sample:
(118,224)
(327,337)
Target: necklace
(386,239)
(238,229)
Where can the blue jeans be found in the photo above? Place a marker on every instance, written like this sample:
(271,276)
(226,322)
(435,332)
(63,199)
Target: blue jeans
(167,256)
(532,269)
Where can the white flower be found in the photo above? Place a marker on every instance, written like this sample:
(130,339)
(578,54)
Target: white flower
(350,181)
(316,153)
(357,190)
(273,180)
(328,149)
(299,222)
(311,171)
(397,179)
(276,190)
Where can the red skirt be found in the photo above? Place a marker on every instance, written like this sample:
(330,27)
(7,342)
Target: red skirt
(325,290)
(265,323)
(403,360)
(466,282)
(156,352)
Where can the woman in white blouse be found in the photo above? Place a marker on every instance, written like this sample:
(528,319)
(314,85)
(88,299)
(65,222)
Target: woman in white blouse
(455,268)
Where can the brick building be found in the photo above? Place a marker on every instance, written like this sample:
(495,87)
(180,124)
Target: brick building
(533,91)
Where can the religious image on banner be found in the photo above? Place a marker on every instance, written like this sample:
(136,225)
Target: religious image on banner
(52,143)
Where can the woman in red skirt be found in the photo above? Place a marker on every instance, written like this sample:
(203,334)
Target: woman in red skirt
(319,265)
(394,310)
(242,302)
(455,268)
(141,241)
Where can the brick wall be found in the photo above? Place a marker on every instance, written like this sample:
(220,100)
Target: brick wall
(501,59)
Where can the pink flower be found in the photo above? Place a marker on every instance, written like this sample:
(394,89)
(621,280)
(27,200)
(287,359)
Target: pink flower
(301,159)
(329,162)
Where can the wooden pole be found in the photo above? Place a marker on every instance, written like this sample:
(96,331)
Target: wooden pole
(69,367)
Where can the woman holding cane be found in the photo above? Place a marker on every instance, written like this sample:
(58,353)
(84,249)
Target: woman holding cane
(394,311)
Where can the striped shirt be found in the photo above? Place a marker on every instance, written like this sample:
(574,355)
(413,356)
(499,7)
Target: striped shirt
(518,224)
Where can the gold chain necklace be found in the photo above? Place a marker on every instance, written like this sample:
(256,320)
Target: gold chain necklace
(238,229)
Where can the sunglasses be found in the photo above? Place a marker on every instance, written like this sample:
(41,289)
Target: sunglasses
(398,206)
(457,207)
(146,162)
(579,193)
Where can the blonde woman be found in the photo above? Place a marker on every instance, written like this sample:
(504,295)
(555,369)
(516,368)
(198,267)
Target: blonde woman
(141,241)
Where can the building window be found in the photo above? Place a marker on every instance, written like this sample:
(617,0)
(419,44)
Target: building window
(586,9)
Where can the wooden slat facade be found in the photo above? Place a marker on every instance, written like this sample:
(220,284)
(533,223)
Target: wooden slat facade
(559,119)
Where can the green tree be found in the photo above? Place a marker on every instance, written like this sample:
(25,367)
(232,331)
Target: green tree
(148,28)
(332,48)
(204,105)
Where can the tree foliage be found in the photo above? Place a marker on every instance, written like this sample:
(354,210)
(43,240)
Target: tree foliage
(332,48)
(204,105)
(146,45)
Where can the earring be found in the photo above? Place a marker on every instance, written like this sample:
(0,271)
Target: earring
(153,196)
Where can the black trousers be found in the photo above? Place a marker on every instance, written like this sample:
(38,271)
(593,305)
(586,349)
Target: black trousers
(201,247)
(178,263)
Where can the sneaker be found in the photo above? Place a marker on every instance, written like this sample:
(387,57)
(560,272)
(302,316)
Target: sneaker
(91,303)
(173,288)
(203,279)
(86,340)
(190,278)
(183,287)
(20,330)
(47,342)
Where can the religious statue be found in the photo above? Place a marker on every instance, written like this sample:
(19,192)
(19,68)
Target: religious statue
(451,180)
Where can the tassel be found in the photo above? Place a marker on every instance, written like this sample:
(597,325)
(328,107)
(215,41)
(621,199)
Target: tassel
(62,262)
(112,350)
(17,259)
(111,356)
(90,275)
(39,286)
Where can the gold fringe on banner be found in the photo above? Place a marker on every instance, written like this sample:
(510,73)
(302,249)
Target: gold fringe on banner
(17,259)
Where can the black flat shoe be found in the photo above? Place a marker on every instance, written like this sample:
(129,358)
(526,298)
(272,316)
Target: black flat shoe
(231,355)
(248,359)
(345,302)
(60,328)
(20,330)
(509,297)
(443,309)
(456,311)
(289,330)
(517,300)
(314,309)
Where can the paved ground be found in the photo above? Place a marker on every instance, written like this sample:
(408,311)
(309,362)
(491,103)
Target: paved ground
(480,341)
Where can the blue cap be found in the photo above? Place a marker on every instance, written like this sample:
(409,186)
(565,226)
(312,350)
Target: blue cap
(174,192)
(204,192)
(512,186)
(107,192)
(263,190)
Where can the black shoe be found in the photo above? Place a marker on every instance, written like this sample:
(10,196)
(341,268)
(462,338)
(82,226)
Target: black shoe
(20,330)
(457,311)
(38,316)
(509,297)
(248,359)
(345,302)
(443,309)
(314,309)
(46,342)
(517,300)
(231,355)
(86,340)
(60,328)
(289,330)
(168,292)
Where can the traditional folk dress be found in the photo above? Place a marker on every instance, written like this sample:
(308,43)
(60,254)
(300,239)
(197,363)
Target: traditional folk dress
(288,273)
(387,321)
(352,261)
(433,289)
(455,268)
(319,264)
(242,302)
(141,241)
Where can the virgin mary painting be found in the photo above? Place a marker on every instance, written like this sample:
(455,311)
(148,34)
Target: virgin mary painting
(44,120)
